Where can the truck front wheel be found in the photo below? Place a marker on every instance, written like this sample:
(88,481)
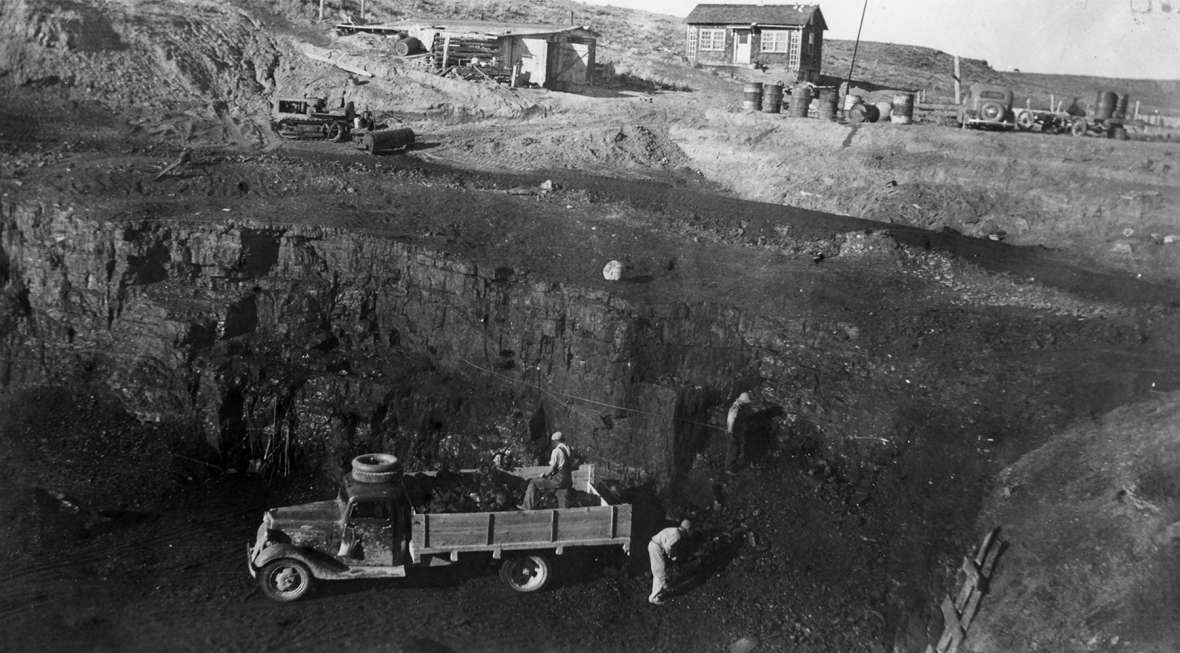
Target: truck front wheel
(526,573)
(285,579)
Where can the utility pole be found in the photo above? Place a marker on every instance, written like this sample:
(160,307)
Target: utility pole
(959,80)
(856,46)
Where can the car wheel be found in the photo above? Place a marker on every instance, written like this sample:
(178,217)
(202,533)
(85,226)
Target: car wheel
(1078,128)
(285,579)
(992,111)
(526,573)
(1025,121)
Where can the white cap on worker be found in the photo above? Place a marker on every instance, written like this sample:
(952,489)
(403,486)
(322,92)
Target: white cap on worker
(686,525)
(744,397)
(557,436)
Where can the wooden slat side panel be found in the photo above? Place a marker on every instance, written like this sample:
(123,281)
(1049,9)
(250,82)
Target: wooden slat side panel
(419,533)
(624,521)
(572,526)
(523,526)
(457,529)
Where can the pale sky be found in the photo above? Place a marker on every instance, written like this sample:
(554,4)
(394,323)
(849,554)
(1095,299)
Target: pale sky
(1108,38)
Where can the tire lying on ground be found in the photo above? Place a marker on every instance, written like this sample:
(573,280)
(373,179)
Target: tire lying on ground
(863,113)
(407,46)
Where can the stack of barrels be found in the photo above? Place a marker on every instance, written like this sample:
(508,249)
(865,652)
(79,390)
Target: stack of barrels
(768,98)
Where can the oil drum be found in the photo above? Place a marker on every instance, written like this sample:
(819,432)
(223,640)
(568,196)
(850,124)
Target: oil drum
(752,96)
(388,140)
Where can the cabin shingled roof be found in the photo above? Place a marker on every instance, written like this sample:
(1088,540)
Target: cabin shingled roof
(798,15)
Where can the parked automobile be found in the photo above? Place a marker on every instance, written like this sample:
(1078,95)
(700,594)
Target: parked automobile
(987,106)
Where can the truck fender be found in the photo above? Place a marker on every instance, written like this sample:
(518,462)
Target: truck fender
(321,565)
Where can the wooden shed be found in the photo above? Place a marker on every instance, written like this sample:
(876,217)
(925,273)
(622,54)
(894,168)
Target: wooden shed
(553,56)
(772,36)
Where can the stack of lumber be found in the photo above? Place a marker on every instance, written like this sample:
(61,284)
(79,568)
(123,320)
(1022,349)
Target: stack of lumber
(461,49)
(477,74)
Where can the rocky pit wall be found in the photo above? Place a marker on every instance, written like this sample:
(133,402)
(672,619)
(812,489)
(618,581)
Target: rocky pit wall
(338,340)
(328,337)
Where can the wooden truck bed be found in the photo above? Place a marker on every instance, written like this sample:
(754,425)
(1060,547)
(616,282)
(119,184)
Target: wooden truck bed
(455,533)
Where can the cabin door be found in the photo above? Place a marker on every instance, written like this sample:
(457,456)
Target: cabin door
(741,46)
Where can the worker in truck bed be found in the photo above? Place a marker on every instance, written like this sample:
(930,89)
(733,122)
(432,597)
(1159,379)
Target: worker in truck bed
(559,476)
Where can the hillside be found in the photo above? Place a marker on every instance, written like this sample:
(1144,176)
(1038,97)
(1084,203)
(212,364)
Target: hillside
(919,68)
(627,33)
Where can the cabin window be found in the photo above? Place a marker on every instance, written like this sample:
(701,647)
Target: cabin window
(711,39)
(993,95)
(778,40)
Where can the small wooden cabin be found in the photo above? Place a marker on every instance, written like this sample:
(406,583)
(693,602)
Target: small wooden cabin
(766,35)
(552,56)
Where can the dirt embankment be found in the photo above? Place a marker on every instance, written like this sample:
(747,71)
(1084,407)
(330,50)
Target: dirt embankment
(1093,518)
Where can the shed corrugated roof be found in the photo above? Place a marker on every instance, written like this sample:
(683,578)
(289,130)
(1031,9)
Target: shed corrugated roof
(511,29)
(755,14)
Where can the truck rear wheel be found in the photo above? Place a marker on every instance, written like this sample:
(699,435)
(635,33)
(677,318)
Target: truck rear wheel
(285,579)
(526,573)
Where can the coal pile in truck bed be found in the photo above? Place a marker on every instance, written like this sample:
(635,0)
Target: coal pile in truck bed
(482,490)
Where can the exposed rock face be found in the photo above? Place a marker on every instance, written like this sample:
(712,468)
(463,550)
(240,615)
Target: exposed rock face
(331,339)
(255,330)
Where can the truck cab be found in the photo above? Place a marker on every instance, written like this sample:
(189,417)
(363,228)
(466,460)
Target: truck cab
(363,533)
(987,106)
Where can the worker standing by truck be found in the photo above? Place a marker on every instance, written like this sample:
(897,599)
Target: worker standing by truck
(559,476)
(662,549)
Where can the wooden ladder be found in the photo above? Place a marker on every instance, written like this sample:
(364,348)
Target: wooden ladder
(959,609)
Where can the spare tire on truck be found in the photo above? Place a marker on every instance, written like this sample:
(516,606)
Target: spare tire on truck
(375,468)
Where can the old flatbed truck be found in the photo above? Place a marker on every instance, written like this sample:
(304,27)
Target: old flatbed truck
(371,530)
